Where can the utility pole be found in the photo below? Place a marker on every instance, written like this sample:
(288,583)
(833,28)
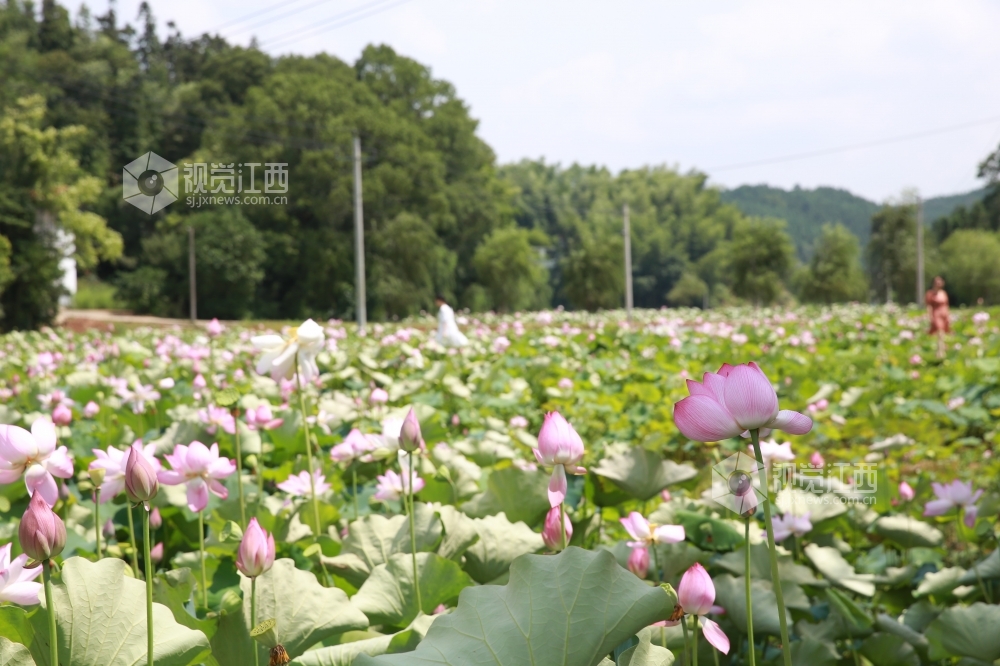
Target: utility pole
(627,234)
(921,285)
(359,241)
(192,276)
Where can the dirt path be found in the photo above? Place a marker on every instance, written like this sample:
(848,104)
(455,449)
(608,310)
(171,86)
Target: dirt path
(87,319)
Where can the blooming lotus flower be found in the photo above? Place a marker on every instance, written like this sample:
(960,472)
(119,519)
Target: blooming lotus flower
(788,524)
(298,484)
(214,328)
(256,552)
(35,455)
(954,495)
(354,446)
(114,463)
(550,531)
(644,532)
(138,398)
(392,486)
(773,452)
(217,417)
(42,533)
(262,418)
(638,561)
(279,353)
(559,447)
(16,584)
(62,415)
(91,409)
(199,381)
(906,492)
(518,422)
(200,468)
(733,402)
(696,596)
(166,383)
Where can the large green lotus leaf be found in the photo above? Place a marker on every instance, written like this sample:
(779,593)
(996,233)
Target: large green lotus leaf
(908,532)
(388,596)
(15,625)
(812,652)
(939,582)
(674,558)
(829,562)
(760,566)
(642,473)
(500,543)
(986,569)
(889,650)
(101,621)
(966,631)
(709,533)
(345,653)
(646,653)
(459,532)
(14,654)
(730,593)
(520,494)
(173,590)
(570,608)
(890,625)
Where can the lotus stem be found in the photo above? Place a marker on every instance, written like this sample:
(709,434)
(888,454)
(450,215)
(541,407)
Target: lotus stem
(201,552)
(656,563)
(253,619)
(752,646)
(131,540)
(354,490)
(50,607)
(687,644)
(309,455)
(239,469)
(772,553)
(694,640)
(413,535)
(97,520)
(149,588)
(562,524)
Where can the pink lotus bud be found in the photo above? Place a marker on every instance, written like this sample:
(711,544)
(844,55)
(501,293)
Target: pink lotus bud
(155,519)
(214,328)
(61,415)
(256,552)
(109,529)
(41,532)
(665,495)
(409,434)
(558,442)
(816,459)
(379,396)
(696,592)
(906,493)
(455,421)
(550,532)
(638,562)
(440,608)
(141,484)
(91,410)
(156,553)
(199,381)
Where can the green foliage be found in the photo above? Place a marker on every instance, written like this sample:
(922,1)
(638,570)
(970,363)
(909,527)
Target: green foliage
(760,257)
(92,294)
(509,268)
(892,252)
(834,273)
(969,259)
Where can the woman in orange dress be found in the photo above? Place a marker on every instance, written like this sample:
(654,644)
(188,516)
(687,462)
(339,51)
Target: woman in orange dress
(937,310)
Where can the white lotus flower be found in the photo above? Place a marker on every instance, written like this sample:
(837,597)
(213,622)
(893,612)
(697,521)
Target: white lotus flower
(278,359)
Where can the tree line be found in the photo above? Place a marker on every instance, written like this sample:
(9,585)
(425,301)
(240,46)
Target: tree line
(83,97)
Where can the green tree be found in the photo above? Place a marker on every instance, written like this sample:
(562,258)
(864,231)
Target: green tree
(411,265)
(970,258)
(690,290)
(594,273)
(892,252)
(834,273)
(760,257)
(510,270)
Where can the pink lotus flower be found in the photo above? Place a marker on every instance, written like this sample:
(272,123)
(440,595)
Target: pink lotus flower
(559,447)
(518,422)
(788,524)
(773,452)
(354,446)
(262,418)
(643,532)
(955,495)
(297,485)
(378,396)
(906,492)
(91,409)
(565,384)
(550,531)
(665,495)
(732,402)
(214,328)
(62,415)
(392,486)
(816,459)
(217,417)
(16,584)
(638,561)
(256,552)
(34,454)
(200,468)
(141,484)
(114,462)
(42,533)
(916,360)
(156,553)
(696,594)
(410,438)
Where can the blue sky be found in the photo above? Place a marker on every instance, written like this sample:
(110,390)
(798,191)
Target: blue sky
(702,85)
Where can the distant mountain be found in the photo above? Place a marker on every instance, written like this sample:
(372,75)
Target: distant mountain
(807,210)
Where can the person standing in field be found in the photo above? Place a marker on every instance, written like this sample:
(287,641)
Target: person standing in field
(448,333)
(937,309)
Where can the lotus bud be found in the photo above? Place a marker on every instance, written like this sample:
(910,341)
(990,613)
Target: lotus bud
(41,532)
(906,492)
(91,410)
(550,532)
(109,529)
(696,592)
(155,519)
(61,415)
(140,477)
(558,441)
(256,552)
(156,553)
(97,476)
(214,328)
(638,561)
(409,434)
(817,460)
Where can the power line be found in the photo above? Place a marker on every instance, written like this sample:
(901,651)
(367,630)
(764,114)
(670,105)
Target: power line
(278,17)
(857,146)
(247,17)
(312,31)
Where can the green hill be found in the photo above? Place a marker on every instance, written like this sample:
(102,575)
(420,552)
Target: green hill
(807,210)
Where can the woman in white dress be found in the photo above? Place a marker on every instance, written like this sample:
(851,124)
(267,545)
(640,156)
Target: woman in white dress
(448,333)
